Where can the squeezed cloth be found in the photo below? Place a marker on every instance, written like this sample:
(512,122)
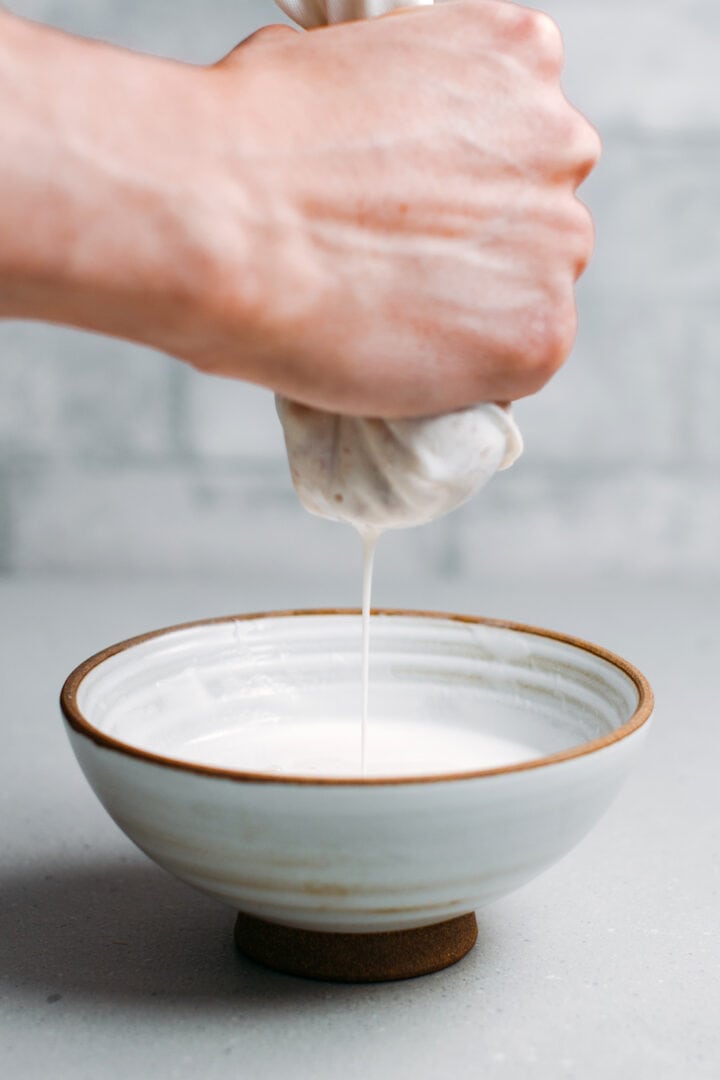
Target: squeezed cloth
(388,474)
(391,474)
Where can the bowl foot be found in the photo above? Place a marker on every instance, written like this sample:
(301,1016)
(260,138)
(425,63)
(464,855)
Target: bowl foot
(397,954)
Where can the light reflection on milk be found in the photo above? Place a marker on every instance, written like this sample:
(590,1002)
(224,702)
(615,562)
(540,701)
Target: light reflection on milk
(410,746)
(280,696)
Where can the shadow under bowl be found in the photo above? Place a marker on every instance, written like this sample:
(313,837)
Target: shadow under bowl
(231,751)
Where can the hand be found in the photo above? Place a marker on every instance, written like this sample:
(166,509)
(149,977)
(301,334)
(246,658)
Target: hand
(376,218)
(418,235)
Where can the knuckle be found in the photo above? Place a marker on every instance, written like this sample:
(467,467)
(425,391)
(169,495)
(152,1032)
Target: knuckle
(550,335)
(592,142)
(571,138)
(547,34)
(584,229)
(267,35)
(276,30)
(585,141)
(541,33)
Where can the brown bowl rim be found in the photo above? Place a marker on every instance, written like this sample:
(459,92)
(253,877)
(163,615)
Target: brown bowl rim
(79,723)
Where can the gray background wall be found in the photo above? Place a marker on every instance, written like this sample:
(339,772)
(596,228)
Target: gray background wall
(115,459)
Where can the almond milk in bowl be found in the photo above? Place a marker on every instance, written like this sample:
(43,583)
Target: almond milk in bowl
(229,751)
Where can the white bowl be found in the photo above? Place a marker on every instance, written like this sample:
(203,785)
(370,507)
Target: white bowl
(199,741)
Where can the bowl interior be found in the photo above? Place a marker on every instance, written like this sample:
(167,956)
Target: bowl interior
(281,695)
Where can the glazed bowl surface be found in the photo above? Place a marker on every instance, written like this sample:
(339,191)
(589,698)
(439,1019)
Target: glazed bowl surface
(230,752)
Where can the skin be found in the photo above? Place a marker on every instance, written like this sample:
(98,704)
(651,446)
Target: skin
(377,218)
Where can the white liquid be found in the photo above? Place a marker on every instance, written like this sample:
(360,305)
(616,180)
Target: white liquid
(369,539)
(282,696)
(415,746)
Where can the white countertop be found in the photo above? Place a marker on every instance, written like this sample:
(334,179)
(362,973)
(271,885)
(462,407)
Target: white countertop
(608,966)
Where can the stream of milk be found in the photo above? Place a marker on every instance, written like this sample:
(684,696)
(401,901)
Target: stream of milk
(369,540)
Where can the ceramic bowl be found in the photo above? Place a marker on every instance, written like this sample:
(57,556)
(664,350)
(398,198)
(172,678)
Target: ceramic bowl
(222,749)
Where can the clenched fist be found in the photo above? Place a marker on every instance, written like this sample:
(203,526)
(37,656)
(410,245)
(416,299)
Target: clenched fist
(376,218)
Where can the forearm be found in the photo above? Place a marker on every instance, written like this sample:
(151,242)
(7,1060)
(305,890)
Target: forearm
(96,230)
